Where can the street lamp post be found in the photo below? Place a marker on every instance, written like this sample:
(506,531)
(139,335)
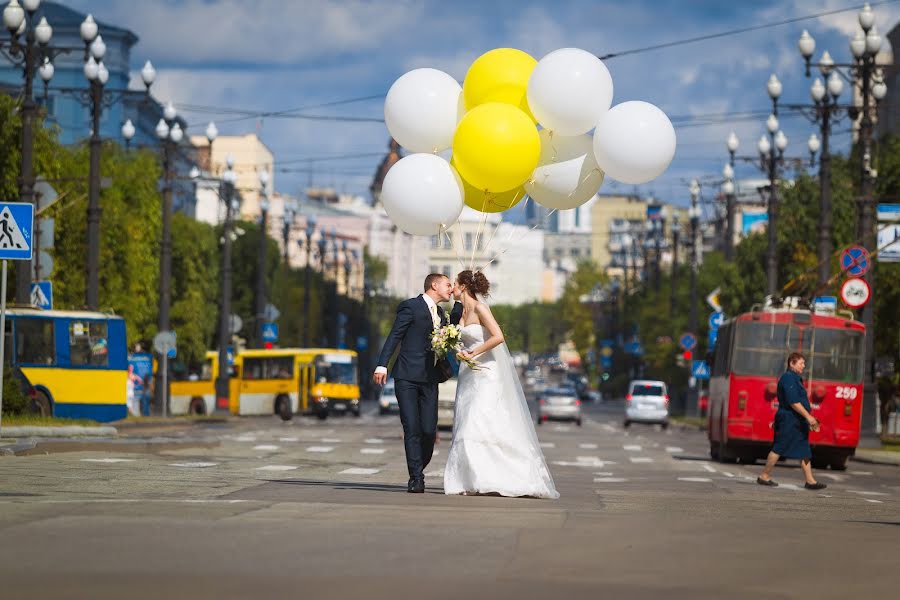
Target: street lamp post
(693,320)
(170,134)
(323,251)
(771,155)
(673,279)
(262,249)
(286,226)
(229,178)
(730,198)
(310,230)
(32,53)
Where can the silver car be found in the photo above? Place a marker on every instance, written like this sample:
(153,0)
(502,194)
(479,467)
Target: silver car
(559,404)
(647,401)
(387,400)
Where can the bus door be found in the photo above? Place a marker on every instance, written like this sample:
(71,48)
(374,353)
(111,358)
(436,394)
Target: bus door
(305,380)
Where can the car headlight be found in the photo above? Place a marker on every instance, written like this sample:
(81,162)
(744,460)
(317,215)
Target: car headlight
(385,402)
(354,401)
(322,400)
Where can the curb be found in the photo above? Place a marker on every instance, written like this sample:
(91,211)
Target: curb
(37,446)
(67,431)
(876,460)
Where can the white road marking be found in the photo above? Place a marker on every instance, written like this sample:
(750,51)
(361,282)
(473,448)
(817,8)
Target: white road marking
(860,472)
(873,501)
(584,461)
(632,448)
(548,445)
(866,493)
(194,465)
(374,441)
(727,474)
(330,440)
(372,451)
(789,486)
(603,473)
(435,453)
(266,447)
(695,479)
(276,468)
(641,459)
(831,476)
(562,428)
(588,446)
(609,480)
(709,469)
(435,473)
(245,438)
(289,439)
(319,448)
(359,471)
(674,449)
(107,460)
(608,427)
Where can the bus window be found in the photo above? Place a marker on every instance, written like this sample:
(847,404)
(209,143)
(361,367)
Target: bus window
(88,345)
(336,368)
(35,343)
(253,368)
(836,355)
(760,349)
(181,372)
(276,367)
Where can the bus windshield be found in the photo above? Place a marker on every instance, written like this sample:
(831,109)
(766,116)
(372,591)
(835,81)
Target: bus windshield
(760,349)
(835,354)
(336,368)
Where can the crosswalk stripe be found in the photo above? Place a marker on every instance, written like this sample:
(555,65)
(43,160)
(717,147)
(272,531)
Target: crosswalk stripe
(372,451)
(359,471)
(194,465)
(319,448)
(107,460)
(276,468)
(266,447)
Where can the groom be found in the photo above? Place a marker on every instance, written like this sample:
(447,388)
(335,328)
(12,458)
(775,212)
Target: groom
(417,372)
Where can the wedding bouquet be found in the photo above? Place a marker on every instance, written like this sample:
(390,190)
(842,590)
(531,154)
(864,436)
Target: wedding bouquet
(447,339)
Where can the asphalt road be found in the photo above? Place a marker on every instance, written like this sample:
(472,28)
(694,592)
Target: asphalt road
(260,508)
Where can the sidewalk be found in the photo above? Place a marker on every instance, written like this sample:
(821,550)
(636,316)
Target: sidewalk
(878,457)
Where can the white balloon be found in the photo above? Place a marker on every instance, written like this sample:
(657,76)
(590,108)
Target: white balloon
(634,142)
(569,90)
(422,193)
(422,108)
(567,175)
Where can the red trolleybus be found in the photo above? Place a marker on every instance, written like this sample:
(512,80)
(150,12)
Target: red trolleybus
(751,355)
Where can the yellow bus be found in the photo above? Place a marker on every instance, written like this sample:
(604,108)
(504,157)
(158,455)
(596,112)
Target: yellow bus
(291,381)
(193,392)
(77,361)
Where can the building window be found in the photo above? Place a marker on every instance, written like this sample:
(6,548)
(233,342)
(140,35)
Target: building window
(435,241)
(448,271)
(576,252)
(470,238)
(558,252)
(433,269)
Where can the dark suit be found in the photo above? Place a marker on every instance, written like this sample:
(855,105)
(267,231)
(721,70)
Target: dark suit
(416,377)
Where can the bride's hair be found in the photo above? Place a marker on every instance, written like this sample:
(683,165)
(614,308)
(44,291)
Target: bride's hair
(475,282)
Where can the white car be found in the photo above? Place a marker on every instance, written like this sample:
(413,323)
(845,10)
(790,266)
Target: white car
(387,400)
(647,401)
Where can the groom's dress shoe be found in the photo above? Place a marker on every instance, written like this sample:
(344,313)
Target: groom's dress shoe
(416,486)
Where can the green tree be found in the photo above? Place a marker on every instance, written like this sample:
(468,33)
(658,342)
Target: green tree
(195,286)
(578,316)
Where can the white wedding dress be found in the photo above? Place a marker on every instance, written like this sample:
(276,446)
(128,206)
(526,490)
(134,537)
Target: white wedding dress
(495,448)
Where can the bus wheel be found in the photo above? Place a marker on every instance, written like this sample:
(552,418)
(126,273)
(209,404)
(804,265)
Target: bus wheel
(819,462)
(725,455)
(283,408)
(839,462)
(714,450)
(197,407)
(41,404)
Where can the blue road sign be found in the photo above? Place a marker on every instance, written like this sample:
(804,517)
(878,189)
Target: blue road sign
(270,332)
(711,336)
(362,342)
(634,348)
(855,261)
(42,294)
(16,225)
(716,319)
(699,369)
(688,341)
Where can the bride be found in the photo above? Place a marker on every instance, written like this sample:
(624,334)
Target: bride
(495,449)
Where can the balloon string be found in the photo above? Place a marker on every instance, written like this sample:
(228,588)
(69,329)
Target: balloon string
(586,177)
(505,250)
(450,243)
(481,225)
(487,246)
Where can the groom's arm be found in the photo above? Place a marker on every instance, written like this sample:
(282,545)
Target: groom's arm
(401,323)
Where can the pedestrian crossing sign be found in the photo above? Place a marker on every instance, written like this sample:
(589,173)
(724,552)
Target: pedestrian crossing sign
(42,294)
(16,224)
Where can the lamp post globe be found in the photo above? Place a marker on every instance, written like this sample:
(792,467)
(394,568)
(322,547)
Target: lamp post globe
(31,5)
(148,74)
(806,44)
(817,90)
(773,87)
(873,41)
(728,171)
(102,73)
(814,143)
(763,145)
(91,69)
(835,85)
(47,70)
(781,141)
(176,133)
(858,45)
(128,130)
(43,32)
(879,90)
(169,111)
(13,16)
(728,187)
(866,17)
(732,142)
(212,132)
(162,129)
(229,161)
(98,48)
(772,123)
(88,29)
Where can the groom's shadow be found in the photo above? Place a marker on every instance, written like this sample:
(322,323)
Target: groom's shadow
(351,485)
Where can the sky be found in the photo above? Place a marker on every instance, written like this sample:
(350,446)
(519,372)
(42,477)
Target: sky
(215,56)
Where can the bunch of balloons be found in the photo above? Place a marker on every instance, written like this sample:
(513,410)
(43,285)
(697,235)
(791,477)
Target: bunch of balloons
(516,126)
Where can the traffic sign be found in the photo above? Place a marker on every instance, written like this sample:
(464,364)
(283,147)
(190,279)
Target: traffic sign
(166,342)
(712,336)
(16,224)
(713,300)
(235,323)
(362,342)
(42,294)
(855,261)
(855,292)
(687,341)
(270,332)
(271,313)
(699,369)
(716,319)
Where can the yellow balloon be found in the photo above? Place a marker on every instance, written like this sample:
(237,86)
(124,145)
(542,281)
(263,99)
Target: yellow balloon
(490,202)
(500,75)
(496,147)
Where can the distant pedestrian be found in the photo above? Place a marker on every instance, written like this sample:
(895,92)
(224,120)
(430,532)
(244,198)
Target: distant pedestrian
(793,422)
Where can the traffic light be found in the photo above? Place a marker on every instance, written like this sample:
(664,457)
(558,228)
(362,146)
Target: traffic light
(268,345)
(687,355)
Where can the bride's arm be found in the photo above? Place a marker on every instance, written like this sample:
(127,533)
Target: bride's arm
(490,323)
